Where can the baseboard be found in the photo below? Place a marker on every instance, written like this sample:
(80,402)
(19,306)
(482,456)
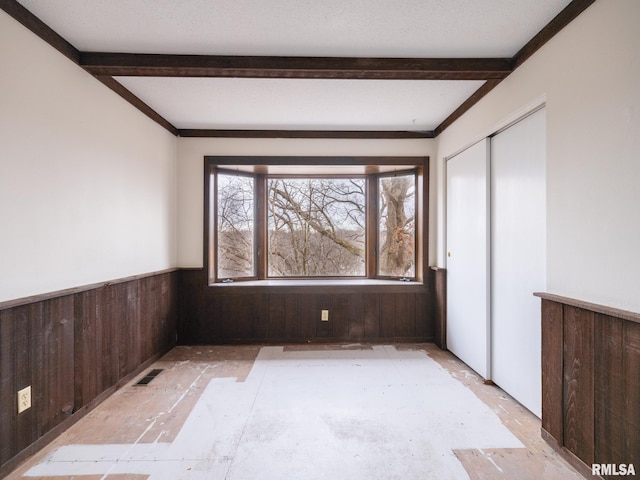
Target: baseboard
(582,468)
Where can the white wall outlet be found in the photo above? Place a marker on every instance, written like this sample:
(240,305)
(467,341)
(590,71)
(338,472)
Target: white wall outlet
(324,315)
(24,399)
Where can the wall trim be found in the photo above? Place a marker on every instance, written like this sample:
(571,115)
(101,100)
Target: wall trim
(594,307)
(567,455)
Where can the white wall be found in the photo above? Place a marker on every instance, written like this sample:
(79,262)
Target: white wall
(191,153)
(589,76)
(87,182)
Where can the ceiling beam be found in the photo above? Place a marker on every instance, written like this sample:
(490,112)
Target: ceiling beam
(158,65)
(566,16)
(105,65)
(39,28)
(118,88)
(349,134)
(466,105)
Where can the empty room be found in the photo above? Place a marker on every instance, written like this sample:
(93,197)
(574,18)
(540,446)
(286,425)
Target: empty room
(312,240)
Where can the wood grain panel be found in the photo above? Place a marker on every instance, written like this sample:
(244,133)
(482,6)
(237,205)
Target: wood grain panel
(405,326)
(56,388)
(371,316)
(387,306)
(25,371)
(631,394)
(355,326)
(108,310)
(293,327)
(8,382)
(85,348)
(190,302)
(277,317)
(425,316)
(609,388)
(307,316)
(552,366)
(440,307)
(578,331)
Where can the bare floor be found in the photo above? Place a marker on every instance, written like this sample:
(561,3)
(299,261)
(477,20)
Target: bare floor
(304,412)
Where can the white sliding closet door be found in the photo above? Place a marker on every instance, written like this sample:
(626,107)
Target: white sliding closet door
(467,257)
(518,257)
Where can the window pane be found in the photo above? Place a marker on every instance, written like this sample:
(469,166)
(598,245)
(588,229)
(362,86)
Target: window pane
(397,226)
(235,208)
(316,227)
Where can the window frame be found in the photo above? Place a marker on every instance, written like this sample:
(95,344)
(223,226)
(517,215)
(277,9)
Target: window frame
(376,217)
(265,245)
(215,231)
(371,168)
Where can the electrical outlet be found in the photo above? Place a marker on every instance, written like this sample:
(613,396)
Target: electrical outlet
(24,399)
(324,315)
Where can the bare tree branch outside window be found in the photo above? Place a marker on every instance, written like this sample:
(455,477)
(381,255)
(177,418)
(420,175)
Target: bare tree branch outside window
(316,227)
(235,226)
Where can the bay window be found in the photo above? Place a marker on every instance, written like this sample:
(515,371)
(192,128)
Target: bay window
(321,218)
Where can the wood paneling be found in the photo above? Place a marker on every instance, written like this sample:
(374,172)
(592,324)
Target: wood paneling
(72,349)
(440,307)
(629,444)
(609,410)
(590,381)
(260,314)
(552,366)
(578,382)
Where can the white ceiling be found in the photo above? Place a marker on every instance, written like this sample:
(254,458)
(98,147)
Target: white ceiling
(300,104)
(335,28)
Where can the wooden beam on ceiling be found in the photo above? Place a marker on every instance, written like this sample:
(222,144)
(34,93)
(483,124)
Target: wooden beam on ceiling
(348,134)
(106,65)
(566,16)
(39,28)
(120,89)
(466,105)
(157,65)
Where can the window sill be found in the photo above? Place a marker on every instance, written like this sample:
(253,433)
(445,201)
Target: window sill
(316,282)
(330,286)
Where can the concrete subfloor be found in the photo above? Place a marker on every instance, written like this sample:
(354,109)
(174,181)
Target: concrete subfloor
(304,412)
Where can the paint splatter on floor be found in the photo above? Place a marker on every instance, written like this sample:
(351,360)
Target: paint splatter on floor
(300,413)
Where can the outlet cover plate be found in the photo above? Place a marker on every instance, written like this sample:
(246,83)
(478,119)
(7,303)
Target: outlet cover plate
(24,399)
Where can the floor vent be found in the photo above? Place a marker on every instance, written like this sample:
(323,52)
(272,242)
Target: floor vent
(147,378)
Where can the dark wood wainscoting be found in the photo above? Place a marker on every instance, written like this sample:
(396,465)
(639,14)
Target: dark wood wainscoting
(440,307)
(590,382)
(279,314)
(74,348)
